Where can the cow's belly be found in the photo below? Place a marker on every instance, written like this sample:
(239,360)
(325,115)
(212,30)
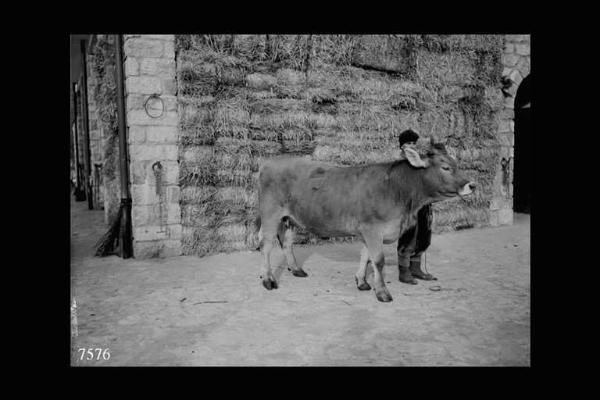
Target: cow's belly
(391,230)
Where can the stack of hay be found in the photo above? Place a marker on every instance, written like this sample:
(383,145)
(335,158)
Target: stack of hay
(341,99)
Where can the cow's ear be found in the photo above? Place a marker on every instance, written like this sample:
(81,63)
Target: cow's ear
(414,159)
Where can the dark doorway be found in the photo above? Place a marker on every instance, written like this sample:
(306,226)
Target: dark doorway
(523,150)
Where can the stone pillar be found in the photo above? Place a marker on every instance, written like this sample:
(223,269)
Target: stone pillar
(153,151)
(516,61)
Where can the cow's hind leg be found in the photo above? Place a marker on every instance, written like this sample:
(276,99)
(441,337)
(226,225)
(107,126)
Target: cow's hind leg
(361,275)
(286,237)
(374,244)
(269,233)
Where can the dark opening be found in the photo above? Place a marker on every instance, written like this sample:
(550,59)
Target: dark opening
(523,149)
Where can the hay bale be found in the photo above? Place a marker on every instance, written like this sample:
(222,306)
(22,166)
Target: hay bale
(389,53)
(250,98)
(261,81)
(289,77)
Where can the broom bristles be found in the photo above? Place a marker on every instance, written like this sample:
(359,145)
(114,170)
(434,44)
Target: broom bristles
(107,243)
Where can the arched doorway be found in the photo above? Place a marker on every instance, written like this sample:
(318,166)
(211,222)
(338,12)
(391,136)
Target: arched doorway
(523,149)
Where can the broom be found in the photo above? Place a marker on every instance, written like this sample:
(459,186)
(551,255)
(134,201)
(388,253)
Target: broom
(119,232)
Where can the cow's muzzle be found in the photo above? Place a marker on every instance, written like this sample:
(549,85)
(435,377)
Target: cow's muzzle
(467,189)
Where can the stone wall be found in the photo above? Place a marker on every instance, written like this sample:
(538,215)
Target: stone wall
(153,151)
(516,60)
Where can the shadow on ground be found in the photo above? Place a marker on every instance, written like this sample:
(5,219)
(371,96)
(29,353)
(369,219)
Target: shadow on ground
(214,311)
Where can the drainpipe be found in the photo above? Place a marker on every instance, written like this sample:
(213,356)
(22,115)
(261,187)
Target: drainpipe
(79,193)
(125,238)
(86,127)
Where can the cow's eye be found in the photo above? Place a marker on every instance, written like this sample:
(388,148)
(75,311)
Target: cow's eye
(446,168)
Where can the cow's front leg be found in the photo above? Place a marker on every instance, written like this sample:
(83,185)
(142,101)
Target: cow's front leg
(374,243)
(361,275)
(287,242)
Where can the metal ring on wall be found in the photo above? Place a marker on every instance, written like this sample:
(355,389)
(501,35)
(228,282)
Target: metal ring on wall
(154,106)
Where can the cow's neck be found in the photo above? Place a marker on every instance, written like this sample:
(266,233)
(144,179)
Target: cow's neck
(407,184)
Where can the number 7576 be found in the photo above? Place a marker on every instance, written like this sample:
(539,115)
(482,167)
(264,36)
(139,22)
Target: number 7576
(89,354)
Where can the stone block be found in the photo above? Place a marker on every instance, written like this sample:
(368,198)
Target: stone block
(159,214)
(509,48)
(169,49)
(517,38)
(504,125)
(137,172)
(157,249)
(154,152)
(509,102)
(144,195)
(495,204)
(160,37)
(515,76)
(137,134)
(170,174)
(173,194)
(132,67)
(143,85)
(135,101)
(505,138)
(494,219)
(158,67)
(169,86)
(523,65)
(505,216)
(140,117)
(170,102)
(522,49)
(143,47)
(162,134)
(510,60)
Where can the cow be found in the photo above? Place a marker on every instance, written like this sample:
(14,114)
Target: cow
(376,203)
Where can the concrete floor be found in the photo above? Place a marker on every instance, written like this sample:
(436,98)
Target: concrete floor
(214,310)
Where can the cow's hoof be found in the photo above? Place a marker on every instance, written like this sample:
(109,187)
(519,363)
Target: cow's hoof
(299,273)
(362,286)
(269,283)
(408,279)
(384,296)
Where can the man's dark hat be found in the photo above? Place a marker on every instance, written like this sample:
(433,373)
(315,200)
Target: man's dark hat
(408,136)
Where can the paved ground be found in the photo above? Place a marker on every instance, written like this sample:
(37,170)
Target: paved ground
(214,311)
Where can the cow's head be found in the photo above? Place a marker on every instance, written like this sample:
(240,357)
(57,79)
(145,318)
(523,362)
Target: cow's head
(441,177)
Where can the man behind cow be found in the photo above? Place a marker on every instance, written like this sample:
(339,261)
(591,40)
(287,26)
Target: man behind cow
(413,243)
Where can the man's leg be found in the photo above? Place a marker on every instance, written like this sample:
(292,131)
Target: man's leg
(423,240)
(406,247)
